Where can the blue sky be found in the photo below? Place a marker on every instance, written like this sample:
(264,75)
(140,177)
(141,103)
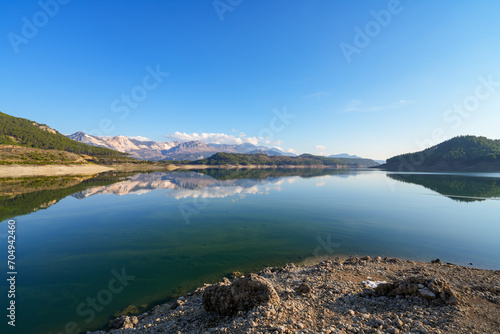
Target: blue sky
(372,78)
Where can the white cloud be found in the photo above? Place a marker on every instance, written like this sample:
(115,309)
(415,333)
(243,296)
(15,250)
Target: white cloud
(223,191)
(215,192)
(278,148)
(141,138)
(214,138)
(320,147)
(237,138)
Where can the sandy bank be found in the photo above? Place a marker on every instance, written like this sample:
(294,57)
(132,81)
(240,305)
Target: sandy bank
(16,171)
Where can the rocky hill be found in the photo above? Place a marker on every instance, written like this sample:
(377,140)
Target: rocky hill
(139,149)
(23,141)
(25,133)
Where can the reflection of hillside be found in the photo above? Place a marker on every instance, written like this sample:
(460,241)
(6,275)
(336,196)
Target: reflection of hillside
(14,187)
(22,196)
(25,195)
(264,173)
(456,187)
(211,183)
(185,184)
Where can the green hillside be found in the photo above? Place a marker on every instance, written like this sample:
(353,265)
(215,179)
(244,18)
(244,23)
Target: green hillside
(26,133)
(463,153)
(266,160)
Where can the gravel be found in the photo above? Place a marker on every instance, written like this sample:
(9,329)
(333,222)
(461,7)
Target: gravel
(356,295)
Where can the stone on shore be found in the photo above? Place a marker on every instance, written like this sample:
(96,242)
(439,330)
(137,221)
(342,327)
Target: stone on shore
(123,323)
(334,296)
(241,295)
(428,289)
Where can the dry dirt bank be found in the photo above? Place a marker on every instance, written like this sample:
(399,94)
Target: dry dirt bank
(16,171)
(335,296)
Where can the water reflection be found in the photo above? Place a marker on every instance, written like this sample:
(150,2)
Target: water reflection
(69,250)
(211,183)
(26,195)
(457,187)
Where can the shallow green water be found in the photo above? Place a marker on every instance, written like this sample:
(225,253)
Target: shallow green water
(173,232)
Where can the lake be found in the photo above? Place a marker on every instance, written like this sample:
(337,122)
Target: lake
(92,248)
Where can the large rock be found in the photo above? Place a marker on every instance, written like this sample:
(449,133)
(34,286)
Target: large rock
(426,294)
(241,295)
(426,288)
(123,323)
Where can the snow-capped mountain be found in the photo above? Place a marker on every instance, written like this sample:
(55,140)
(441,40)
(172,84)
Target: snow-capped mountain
(153,150)
(139,149)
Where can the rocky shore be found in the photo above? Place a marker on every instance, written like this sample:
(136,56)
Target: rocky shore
(355,295)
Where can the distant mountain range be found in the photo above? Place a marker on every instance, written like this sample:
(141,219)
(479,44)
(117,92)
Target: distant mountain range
(27,142)
(152,150)
(175,150)
(19,132)
(348,156)
(344,155)
(23,132)
(145,150)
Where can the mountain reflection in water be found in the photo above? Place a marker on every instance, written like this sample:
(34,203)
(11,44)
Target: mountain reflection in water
(210,183)
(457,187)
(23,196)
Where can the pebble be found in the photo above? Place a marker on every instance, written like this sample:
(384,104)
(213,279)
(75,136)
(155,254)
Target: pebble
(331,300)
(423,330)
(427,294)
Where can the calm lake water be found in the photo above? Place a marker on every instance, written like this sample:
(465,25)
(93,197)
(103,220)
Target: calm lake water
(90,249)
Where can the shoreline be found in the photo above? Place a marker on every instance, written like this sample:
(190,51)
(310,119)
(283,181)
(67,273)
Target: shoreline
(334,295)
(19,171)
